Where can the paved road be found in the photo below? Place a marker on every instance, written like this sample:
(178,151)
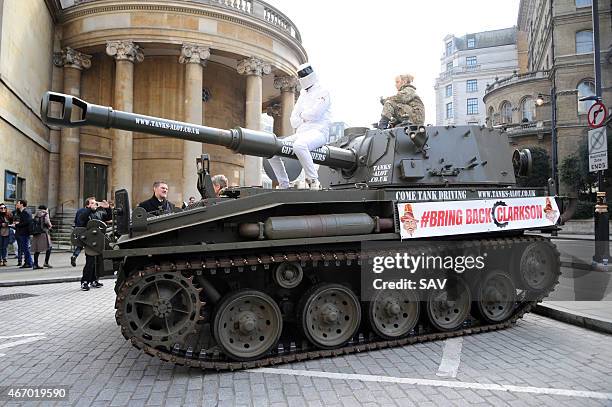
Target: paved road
(74,341)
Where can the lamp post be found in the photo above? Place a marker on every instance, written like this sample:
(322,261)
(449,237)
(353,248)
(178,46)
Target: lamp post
(553,134)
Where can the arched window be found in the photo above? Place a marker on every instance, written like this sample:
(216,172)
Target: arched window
(490,116)
(583,3)
(506,112)
(584,42)
(528,109)
(585,88)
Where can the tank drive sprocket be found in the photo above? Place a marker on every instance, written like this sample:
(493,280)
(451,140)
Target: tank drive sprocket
(160,307)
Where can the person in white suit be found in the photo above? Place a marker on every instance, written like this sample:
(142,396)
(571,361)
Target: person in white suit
(311,118)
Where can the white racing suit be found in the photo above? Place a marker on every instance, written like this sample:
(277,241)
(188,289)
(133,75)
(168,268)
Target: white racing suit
(311,118)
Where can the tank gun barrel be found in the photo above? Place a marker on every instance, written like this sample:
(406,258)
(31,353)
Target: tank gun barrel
(69,111)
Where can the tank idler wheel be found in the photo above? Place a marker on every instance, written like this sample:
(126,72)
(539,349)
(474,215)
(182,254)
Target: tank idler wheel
(162,308)
(496,297)
(288,275)
(393,313)
(448,308)
(537,267)
(247,324)
(330,315)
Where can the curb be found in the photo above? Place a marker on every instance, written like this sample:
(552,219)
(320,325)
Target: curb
(574,318)
(47,281)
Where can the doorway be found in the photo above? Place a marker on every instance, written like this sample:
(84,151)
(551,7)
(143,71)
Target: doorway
(95,182)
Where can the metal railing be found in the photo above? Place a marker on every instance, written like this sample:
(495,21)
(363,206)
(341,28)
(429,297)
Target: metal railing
(254,8)
(516,78)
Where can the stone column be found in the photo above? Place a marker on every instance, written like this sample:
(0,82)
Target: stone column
(126,53)
(253,68)
(194,57)
(287,86)
(275,112)
(73,62)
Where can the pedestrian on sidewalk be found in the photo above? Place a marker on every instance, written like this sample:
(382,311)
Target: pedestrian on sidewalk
(5,220)
(78,224)
(23,224)
(100,212)
(41,241)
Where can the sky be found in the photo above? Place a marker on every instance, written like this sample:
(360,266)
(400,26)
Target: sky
(358,48)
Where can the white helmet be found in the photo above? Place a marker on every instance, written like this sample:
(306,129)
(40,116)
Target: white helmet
(306,75)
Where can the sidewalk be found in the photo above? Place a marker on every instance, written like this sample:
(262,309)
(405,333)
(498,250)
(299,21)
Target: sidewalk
(61,272)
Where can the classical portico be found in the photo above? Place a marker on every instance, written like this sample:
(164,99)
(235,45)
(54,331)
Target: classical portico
(218,65)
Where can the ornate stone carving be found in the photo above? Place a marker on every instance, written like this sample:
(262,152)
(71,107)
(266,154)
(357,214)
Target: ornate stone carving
(71,58)
(194,54)
(124,51)
(253,66)
(286,83)
(274,111)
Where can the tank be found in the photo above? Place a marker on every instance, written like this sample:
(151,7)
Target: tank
(258,277)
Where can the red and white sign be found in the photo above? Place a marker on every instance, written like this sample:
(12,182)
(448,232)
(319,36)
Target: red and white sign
(597,115)
(426,219)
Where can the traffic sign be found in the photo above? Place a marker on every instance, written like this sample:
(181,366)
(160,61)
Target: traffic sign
(597,115)
(598,149)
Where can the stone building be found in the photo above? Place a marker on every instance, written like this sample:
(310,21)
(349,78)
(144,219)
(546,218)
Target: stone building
(215,62)
(558,52)
(468,64)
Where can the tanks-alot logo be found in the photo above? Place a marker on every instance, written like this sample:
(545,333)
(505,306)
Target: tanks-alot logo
(423,219)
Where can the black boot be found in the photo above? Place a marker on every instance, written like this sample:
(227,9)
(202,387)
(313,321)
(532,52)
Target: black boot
(383,123)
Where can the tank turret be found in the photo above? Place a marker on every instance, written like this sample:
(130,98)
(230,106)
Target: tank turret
(404,155)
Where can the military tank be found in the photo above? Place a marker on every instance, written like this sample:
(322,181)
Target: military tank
(258,277)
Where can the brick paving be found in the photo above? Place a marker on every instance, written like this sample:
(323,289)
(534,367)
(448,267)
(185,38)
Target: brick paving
(84,350)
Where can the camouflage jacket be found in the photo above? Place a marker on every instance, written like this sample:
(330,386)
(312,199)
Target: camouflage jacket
(405,105)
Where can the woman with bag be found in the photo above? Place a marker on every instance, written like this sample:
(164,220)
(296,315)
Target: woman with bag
(41,241)
(5,220)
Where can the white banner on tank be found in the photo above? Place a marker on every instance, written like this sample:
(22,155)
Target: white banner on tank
(426,219)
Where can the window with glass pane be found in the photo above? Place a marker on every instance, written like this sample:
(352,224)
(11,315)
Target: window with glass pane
(528,109)
(449,90)
(584,42)
(470,61)
(449,48)
(584,3)
(449,110)
(472,85)
(506,112)
(471,42)
(472,106)
(585,88)
(449,66)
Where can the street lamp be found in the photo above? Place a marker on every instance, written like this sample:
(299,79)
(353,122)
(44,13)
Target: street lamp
(540,100)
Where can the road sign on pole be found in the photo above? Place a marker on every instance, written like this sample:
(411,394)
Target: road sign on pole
(598,149)
(597,115)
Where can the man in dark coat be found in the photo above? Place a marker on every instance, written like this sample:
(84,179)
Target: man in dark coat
(77,223)
(158,204)
(103,213)
(23,223)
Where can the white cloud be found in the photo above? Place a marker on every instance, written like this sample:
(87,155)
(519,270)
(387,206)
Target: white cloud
(358,48)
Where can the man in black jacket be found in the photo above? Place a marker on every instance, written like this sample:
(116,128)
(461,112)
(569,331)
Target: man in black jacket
(23,224)
(100,211)
(158,204)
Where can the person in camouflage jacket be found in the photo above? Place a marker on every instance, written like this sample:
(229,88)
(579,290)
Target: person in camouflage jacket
(405,106)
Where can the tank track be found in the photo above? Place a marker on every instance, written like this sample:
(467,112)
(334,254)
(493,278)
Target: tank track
(290,352)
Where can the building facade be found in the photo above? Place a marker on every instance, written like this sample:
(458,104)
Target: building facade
(468,65)
(214,62)
(558,58)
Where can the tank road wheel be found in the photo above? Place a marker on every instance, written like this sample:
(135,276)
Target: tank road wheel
(330,315)
(161,309)
(448,308)
(496,297)
(288,275)
(538,267)
(393,313)
(247,324)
